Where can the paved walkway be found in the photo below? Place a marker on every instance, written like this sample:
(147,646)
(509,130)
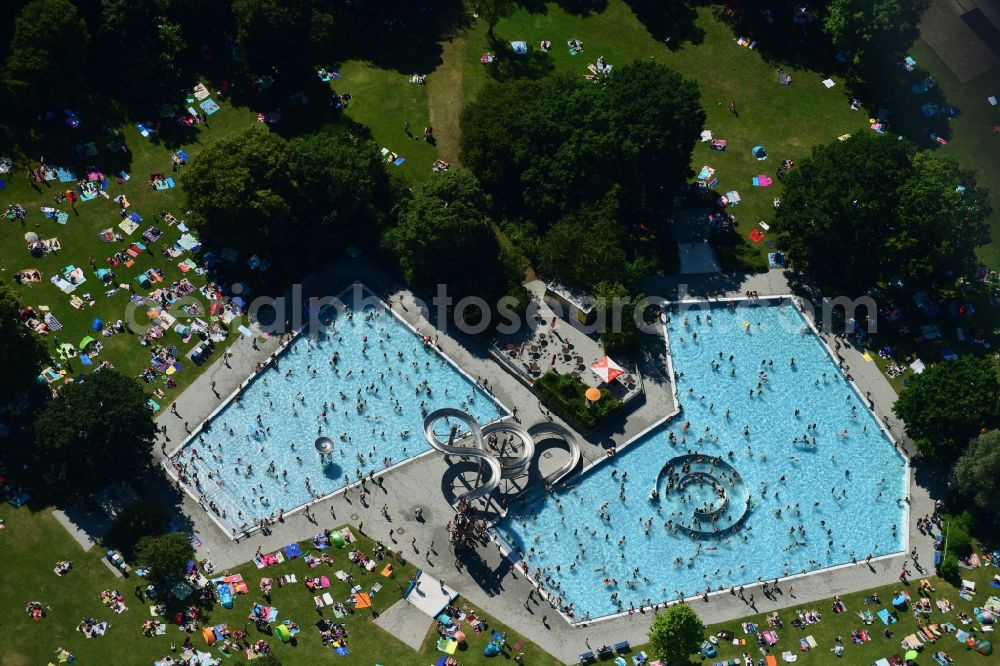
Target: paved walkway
(406,623)
(945,29)
(489,580)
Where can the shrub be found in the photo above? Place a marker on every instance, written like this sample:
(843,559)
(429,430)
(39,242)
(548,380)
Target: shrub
(948,569)
(959,541)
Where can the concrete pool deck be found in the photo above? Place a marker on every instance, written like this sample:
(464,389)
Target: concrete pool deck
(492,583)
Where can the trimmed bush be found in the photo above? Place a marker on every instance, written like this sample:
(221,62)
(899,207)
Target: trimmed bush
(948,569)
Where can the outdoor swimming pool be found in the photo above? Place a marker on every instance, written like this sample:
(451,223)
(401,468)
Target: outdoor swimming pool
(365,381)
(811,506)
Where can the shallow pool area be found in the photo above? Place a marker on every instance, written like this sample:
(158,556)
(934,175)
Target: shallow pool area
(774,467)
(364,379)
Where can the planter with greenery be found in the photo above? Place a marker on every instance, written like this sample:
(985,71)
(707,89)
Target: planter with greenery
(565,396)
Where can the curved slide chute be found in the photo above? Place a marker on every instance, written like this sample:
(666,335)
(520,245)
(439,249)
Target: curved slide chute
(549,430)
(501,466)
(476,451)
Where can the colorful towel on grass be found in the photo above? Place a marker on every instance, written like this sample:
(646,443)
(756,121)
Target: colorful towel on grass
(209,106)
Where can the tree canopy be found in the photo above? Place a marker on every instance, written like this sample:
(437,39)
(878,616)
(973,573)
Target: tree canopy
(148,68)
(544,147)
(676,634)
(442,236)
(588,247)
(98,432)
(978,471)
(343,185)
(281,33)
(242,189)
(258,193)
(47,53)
(872,208)
(870,30)
(949,404)
(166,556)
(22,353)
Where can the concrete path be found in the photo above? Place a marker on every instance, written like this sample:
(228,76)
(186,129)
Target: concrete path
(406,623)
(944,29)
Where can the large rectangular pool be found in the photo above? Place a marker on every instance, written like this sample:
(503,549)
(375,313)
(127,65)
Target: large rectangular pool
(366,381)
(774,467)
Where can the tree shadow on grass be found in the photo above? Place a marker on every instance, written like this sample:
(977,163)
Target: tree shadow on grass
(582,7)
(918,108)
(670,21)
(401,36)
(783,34)
(509,65)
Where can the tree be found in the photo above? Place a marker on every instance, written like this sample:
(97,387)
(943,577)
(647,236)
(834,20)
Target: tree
(48,53)
(148,68)
(260,194)
(870,31)
(241,190)
(616,308)
(99,431)
(914,215)
(545,147)
(587,248)
(675,634)
(492,11)
(442,237)
(978,471)
(343,185)
(280,33)
(165,556)
(22,353)
(949,404)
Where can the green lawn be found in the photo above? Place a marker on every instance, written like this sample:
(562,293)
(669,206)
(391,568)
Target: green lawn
(79,236)
(386,101)
(32,543)
(972,142)
(833,625)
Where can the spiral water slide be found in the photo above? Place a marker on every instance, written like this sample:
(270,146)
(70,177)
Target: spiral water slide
(501,467)
(549,430)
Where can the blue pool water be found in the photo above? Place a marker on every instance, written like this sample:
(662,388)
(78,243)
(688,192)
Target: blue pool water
(850,485)
(374,398)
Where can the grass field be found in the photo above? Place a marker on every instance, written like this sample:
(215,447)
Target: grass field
(32,543)
(79,236)
(972,142)
(834,625)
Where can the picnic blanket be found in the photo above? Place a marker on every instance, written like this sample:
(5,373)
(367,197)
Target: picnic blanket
(128,226)
(209,106)
(63,285)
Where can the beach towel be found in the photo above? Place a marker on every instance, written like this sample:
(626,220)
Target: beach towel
(61,284)
(65,175)
(327,599)
(209,106)
(885,616)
